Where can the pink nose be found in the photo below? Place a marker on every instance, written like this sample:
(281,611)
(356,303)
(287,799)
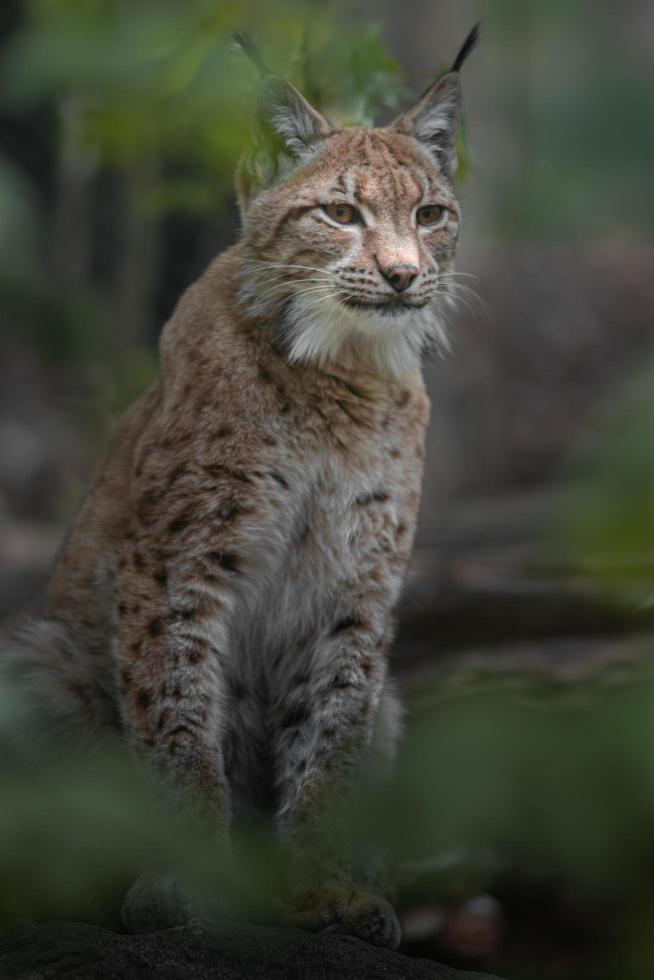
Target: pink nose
(400,276)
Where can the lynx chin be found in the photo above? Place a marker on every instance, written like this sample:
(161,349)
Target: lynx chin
(224,601)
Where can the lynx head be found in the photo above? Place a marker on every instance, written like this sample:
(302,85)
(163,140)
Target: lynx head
(349,234)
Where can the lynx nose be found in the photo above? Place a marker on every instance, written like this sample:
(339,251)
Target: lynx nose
(400,276)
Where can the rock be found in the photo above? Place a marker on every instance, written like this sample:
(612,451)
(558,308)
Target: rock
(194,952)
(475,928)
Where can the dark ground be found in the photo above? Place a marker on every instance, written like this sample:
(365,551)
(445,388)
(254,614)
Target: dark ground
(75,950)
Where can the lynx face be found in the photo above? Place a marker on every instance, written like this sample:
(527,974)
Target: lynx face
(350,233)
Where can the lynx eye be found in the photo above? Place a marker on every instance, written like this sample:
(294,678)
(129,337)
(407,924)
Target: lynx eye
(430,214)
(343,214)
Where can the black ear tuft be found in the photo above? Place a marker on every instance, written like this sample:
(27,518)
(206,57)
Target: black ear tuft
(467,47)
(251,51)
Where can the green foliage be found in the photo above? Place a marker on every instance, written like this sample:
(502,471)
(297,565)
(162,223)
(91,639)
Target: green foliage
(554,774)
(166,81)
(557,777)
(323,62)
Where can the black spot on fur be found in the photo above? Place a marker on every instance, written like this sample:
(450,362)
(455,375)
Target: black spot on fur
(180,522)
(305,535)
(295,716)
(146,504)
(181,730)
(228,511)
(217,470)
(196,655)
(229,562)
(175,474)
(161,577)
(357,392)
(143,699)
(280,479)
(284,404)
(185,614)
(155,626)
(347,623)
(237,690)
(378,497)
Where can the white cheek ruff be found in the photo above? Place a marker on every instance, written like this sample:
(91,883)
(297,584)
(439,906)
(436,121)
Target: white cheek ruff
(324,331)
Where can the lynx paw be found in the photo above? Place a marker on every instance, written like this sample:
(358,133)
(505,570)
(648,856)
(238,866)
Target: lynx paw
(350,910)
(156,901)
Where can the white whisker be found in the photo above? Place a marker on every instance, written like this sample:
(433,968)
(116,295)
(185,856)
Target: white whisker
(284,265)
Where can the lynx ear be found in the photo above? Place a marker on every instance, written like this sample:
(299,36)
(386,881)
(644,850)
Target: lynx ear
(286,131)
(285,114)
(434,119)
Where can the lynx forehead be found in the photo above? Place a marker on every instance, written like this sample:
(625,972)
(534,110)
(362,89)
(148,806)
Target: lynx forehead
(383,180)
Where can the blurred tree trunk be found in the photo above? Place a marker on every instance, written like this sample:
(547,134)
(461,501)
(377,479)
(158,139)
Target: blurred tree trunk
(138,266)
(71,233)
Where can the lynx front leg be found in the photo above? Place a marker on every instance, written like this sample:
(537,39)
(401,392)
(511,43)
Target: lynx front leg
(174,701)
(171,672)
(192,557)
(325,739)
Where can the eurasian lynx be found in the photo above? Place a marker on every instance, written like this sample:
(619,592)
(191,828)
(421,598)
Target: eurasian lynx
(224,599)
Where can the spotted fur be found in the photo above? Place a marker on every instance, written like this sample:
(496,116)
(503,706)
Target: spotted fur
(224,600)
